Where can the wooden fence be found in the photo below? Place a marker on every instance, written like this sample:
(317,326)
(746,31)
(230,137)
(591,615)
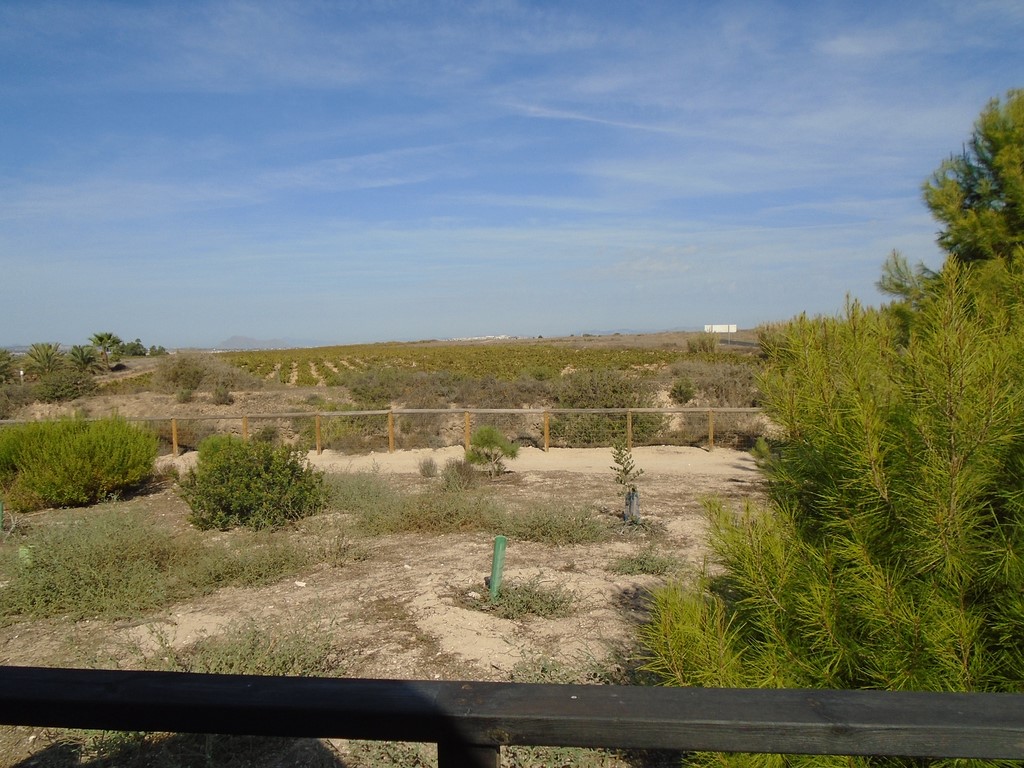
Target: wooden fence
(392,414)
(471,721)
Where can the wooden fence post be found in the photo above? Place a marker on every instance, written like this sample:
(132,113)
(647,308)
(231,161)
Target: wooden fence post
(245,427)
(319,437)
(174,437)
(391,431)
(467,436)
(629,430)
(547,431)
(711,429)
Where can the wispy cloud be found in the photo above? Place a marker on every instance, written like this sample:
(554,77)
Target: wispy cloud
(752,159)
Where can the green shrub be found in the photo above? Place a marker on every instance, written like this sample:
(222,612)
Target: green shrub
(702,343)
(7,368)
(73,462)
(64,384)
(221,395)
(532,598)
(682,391)
(200,373)
(458,475)
(178,372)
(184,395)
(646,561)
(378,388)
(723,381)
(252,484)
(428,467)
(490,448)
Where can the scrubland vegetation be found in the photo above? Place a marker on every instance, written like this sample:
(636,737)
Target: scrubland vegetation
(889,553)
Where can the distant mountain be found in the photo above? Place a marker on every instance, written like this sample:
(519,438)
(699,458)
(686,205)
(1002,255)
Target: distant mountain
(245,342)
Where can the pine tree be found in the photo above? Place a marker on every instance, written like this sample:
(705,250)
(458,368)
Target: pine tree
(890,554)
(978,196)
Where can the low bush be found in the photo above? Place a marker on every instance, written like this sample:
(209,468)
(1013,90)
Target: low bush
(682,391)
(458,475)
(200,373)
(378,388)
(251,484)
(63,385)
(73,462)
(646,561)
(222,396)
(15,396)
(726,382)
(428,467)
(555,525)
(119,564)
(703,343)
(531,598)
(249,648)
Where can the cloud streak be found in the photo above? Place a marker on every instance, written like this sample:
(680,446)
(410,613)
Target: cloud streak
(584,160)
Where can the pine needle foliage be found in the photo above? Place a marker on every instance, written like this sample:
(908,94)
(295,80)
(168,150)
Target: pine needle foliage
(891,553)
(490,448)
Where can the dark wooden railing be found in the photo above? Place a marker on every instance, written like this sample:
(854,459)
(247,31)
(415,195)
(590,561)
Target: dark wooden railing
(471,721)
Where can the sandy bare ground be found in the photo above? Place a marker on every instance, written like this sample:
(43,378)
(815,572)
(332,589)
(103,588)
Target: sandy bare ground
(403,611)
(410,608)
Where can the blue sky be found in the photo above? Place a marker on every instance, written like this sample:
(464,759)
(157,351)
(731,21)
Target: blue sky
(363,171)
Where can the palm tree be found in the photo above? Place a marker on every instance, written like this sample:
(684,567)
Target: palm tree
(104,342)
(43,357)
(84,358)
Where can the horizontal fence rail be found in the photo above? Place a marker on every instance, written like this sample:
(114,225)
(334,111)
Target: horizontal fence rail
(466,413)
(471,721)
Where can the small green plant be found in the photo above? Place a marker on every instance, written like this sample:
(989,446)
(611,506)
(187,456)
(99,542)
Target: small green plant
(490,448)
(532,598)
(428,467)
(625,469)
(257,485)
(626,475)
(458,475)
(682,391)
(184,395)
(702,343)
(222,396)
(646,561)
(248,648)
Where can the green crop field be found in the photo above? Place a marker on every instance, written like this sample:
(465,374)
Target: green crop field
(507,362)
